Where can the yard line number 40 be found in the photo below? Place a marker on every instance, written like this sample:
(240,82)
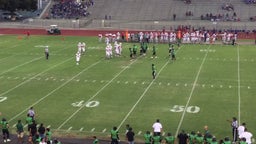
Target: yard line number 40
(181,108)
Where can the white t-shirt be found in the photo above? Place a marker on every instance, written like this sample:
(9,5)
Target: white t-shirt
(240,129)
(157,127)
(247,135)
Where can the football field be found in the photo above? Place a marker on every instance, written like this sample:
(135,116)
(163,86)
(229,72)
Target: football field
(206,85)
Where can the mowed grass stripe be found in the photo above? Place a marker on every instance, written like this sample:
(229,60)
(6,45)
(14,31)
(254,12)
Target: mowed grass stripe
(216,104)
(56,89)
(247,96)
(118,98)
(101,89)
(77,92)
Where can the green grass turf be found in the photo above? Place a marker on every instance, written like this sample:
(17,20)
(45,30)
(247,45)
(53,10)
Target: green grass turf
(206,85)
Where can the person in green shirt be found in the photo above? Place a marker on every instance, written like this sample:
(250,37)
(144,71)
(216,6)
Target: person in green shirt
(192,137)
(226,141)
(48,135)
(242,141)
(134,49)
(156,139)
(29,121)
(154,52)
(95,141)
(114,136)
(20,131)
(5,127)
(147,137)
(153,71)
(214,141)
(131,52)
(199,138)
(169,139)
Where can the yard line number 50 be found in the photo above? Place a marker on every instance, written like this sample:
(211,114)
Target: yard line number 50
(181,108)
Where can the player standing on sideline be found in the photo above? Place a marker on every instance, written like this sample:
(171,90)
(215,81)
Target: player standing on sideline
(28,34)
(78,56)
(147,137)
(100,37)
(114,136)
(153,71)
(5,126)
(157,127)
(20,131)
(46,52)
(31,113)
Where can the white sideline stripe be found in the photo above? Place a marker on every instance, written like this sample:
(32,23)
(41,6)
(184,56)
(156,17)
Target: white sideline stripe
(13,68)
(69,128)
(56,88)
(191,93)
(95,95)
(33,78)
(143,94)
(238,85)
(81,129)
(104,130)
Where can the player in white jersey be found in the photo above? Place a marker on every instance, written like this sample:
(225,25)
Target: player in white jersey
(120,48)
(213,37)
(78,56)
(100,37)
(83,46)
(107,40)
(79,47)
(109,51)
(116,45)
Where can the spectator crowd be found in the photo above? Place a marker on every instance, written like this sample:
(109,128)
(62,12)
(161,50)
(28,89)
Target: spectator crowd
(69,9)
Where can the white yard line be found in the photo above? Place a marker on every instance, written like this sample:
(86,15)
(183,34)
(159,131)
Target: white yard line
(11,89)
(191,93)
(101,89)
(238,85)
(13,68)
(56,89)
(143,94)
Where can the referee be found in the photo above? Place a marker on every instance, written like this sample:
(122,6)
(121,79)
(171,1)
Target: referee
(234,126)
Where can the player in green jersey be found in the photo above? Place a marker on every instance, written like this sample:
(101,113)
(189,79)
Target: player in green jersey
(20,131)
(147,137)
(48,135)
(153,71)
(192,137)
(156,139)
(134,50)
(5,127)
(169,139)
(114,136)
(154,52)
